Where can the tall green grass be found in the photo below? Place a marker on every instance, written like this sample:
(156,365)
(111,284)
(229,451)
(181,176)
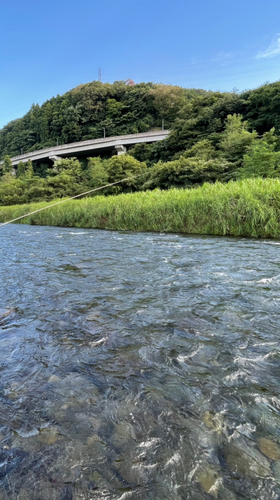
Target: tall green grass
(246,208)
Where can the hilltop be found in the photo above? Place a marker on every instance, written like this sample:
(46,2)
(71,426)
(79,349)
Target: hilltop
(121,108)
(83,113)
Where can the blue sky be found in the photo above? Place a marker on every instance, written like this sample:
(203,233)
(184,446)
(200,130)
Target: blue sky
(49,47)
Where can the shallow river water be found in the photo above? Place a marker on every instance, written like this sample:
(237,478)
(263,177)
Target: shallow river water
(138,366)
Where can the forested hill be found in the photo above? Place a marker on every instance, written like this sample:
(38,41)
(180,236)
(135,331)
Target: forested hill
(123,108)
(214,137)
(84,112)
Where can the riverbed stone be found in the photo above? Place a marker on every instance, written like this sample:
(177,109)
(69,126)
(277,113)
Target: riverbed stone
(48,436)
(214,421)
(95,476)
(123,434)
(95,422)
(210,480)
(94,449)
(92,439)
(247,461)
(42,490)
(53,379)
(14,391)
(269,448)
(276,471)
(131,473)
(4,313)
(30,445)
(226,494)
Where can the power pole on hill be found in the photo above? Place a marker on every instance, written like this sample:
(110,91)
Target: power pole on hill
(99,74)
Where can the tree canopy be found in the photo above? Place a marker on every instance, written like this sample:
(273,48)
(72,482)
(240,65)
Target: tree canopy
(84,112)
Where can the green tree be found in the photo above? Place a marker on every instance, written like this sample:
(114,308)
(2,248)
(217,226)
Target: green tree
(29,172)
(21,169)
(97,175)
(7,166)
(11,191)
(114,108)
(236,140)
(66,178)
(69,166)
(123,166)
(261,160)
(184,172)
(168,100)
(203,150)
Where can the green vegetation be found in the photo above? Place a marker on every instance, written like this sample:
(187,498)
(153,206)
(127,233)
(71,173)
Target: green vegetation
(84,112)
(248,207)
(68,178)
(238,153)
(216,138)
(192,114)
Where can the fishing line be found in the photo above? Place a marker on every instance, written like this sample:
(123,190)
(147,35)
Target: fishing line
(68,199)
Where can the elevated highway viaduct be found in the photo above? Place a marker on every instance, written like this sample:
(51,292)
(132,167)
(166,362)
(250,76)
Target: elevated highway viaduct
(95,147)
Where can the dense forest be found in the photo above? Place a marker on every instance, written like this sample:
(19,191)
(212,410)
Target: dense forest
(83,113)
(214,136)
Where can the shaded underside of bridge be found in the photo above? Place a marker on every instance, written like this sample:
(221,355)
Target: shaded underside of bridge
(96,147)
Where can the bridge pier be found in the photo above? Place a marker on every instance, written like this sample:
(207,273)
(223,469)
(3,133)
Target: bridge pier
(54,158)
(121,150)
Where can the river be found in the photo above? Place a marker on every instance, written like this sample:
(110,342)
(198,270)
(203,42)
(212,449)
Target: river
(138,366)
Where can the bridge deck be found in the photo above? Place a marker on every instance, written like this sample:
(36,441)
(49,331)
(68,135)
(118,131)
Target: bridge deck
(95,146)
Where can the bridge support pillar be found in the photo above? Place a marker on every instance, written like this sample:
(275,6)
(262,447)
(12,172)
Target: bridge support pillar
(54,158)
(121,150)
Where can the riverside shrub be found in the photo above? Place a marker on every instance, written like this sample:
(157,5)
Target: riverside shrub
(249,207)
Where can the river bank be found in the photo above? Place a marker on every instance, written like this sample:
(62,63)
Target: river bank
(248,208)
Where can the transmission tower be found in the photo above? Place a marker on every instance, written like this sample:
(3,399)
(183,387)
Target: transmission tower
(99,74)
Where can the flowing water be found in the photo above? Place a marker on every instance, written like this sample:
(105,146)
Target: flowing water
(138,366)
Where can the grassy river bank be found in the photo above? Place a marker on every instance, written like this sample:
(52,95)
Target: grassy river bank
(245,208)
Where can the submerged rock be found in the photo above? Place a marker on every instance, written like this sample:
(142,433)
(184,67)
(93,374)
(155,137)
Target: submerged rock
(123,434)
(276,471)
(269,448)
(43,490)
(4,314)
(48,436)
(247,461)
(210,480)
(66,493)
(95,476)
(29,445)
(226,494)
(214,421)
(10,460)
(92,440)
(53,379)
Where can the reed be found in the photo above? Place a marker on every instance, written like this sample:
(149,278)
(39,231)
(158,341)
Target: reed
(249,207)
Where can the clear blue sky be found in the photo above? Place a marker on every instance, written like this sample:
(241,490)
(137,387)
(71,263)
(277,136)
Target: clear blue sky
(49,47)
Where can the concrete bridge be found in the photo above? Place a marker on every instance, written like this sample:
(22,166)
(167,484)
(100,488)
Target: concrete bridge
(95,147)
